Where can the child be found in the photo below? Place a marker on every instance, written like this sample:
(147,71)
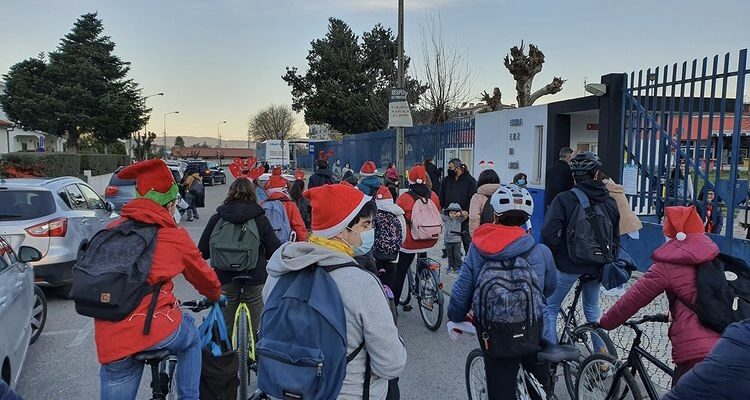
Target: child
(453,216)
(510,337)
(674,272)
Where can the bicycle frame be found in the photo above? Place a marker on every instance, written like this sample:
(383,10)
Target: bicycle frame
(635,364)
(570,315)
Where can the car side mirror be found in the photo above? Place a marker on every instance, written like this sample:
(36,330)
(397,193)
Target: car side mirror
(28,254)
(221,169)
(109,206)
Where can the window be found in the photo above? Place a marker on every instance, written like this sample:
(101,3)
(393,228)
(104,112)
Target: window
(536,175)
(77,200)
(18,205)
(93,199)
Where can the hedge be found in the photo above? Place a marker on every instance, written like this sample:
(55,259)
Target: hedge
(52,165)
(101,164)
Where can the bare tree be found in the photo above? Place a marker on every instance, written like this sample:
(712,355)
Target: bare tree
(523,68)
(143,145)
(493,102)
(446,73)
(271,123)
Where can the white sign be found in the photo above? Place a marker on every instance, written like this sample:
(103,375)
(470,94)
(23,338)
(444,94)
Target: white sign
(630,179)
(399,113)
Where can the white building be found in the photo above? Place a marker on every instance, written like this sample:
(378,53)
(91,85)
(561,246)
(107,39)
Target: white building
(13,139)
(321,132)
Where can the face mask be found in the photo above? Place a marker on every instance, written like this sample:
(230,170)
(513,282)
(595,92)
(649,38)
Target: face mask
(521,182)
(451,173)
(368,239)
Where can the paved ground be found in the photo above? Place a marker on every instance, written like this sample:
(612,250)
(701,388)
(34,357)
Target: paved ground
(63,365)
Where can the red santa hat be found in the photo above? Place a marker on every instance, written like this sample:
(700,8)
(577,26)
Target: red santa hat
(334,207)
(681,221)
(276,183)
(383,197)
(153,181)
(368,169)
(417,174)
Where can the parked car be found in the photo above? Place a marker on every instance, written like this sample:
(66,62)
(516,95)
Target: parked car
(121,191)
(56,216)
(217,173)
(23,308)
(205,171)
(181,165)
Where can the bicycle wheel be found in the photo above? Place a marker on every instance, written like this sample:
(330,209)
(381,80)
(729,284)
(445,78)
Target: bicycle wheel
(430,298)
(172,368)
(589,341)
(476,379)
(597,379)
(406,293)
(242,347)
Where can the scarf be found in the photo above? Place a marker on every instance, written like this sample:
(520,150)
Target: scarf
(332,245)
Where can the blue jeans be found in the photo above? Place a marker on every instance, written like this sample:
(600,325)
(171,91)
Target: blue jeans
(120,379)
(590,296)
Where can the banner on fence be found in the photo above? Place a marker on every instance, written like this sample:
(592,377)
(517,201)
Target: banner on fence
(399,113)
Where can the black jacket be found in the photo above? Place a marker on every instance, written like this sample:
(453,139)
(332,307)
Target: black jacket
(458,191)
(559,214)
(717,216)
(320,177)
(559,179)
(434,173)
(239,213)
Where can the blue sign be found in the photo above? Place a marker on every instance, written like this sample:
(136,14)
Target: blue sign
(311,146)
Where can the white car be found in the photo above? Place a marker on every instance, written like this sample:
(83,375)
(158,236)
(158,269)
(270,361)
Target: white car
(265,177)
(23,309)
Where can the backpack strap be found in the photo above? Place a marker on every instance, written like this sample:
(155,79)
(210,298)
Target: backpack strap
(593,219)
(152,307)
(368,369)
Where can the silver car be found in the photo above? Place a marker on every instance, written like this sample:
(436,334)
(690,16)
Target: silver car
(23,309)
(56,216)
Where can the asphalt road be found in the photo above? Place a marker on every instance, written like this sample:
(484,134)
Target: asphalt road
(63,365)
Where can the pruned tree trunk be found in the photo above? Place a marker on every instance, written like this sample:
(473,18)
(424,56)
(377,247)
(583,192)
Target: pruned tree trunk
(73,137)
(524,68)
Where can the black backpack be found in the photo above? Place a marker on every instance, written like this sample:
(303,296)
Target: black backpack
(723,292)
(487,215)
(110,280)
(589,232)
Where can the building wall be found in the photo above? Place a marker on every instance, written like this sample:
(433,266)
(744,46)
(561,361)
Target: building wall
(581,135)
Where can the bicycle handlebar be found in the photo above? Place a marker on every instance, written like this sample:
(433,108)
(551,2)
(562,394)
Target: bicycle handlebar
(198,305)
(663,318)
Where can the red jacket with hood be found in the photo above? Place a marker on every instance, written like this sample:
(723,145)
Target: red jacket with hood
(406,202)
(292,212)
(674,273)
(175,254)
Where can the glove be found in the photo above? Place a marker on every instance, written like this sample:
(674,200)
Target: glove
(223,300)
(457,329)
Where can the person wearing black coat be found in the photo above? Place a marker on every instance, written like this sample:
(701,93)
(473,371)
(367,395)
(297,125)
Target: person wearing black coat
(724,374)
(321,176)
(559,177)
(434,173)
(240,207)
(459,187)
(709,208)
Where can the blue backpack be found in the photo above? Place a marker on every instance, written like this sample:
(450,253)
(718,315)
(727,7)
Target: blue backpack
(276,214)
(302,346)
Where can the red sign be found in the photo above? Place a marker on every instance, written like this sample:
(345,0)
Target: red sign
(592,127)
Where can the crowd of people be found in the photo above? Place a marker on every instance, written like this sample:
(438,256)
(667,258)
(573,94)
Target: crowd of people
(355,233)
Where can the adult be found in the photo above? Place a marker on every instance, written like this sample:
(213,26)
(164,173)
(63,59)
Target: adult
(336,170)
(266,167)
(561,213)
(277,189)
(520,180)
(630,224)
(174,254)
(295,192)
(338,234)
(433,173)
(321,176)
(559,176)
(412,247)
(680,186)
(369,183)
(239,207)
(347,168)
(488,183)
(194,196)
(350,179)
(459,187)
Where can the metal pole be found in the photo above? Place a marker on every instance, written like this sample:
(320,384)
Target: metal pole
(165,133)
(400,131)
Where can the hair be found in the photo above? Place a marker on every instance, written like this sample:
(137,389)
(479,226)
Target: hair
(295,192)
(519,176)
(488,176)
(428,160)
(367,211)
(322,164)
(565,152)
(390,164)
(601,176)
(456,163)
(241,190)
(511,218)
(589,176)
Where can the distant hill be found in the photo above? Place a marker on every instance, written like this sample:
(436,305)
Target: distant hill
(211,141)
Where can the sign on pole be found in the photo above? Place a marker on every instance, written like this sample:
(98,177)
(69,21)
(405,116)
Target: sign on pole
(399,113)
(311,148)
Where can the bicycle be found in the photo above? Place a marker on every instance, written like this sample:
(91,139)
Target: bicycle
(163,364)
(476,376)
(243,340)
(583,336)
(428,291)
(610,378)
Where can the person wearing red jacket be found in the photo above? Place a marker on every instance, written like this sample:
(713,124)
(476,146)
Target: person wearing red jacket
(175,254)
(411,247)
(277,189)
(674,273)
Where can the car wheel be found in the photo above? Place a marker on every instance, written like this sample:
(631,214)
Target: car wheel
(38,314)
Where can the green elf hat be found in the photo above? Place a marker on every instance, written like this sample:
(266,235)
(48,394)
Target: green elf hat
(153,181)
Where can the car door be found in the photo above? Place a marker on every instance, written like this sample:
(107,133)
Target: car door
(82,219)
(97,206)
(16,302)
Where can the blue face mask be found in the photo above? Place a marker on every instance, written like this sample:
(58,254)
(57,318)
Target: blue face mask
(368,240)
(521,182)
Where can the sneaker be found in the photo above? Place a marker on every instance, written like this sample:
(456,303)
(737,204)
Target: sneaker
(445,253)
(197,217)
(189,220)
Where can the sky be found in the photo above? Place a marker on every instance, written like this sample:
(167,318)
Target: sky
(219,60)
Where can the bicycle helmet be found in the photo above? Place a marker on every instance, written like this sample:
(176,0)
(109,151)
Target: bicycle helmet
(512,199)
(585,163)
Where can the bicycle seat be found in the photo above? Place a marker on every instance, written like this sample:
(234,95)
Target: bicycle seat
(241,279)
(556,353)
(151,356)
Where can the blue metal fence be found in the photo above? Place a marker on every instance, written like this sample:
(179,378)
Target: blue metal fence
(420,142)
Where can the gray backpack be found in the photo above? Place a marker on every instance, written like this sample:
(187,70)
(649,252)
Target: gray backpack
(584,246)
(234,247)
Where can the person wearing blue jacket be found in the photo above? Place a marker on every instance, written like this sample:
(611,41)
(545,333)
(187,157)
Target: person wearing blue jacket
(369,183)
(724,374)
(505,239)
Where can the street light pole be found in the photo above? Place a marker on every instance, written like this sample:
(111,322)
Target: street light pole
(400,155)
(165,130)
(145,125)
(218,132)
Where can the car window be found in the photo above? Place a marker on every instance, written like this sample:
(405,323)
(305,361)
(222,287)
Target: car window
(18,205)
(65,198)
(94,201)
(77,200)
(7,258)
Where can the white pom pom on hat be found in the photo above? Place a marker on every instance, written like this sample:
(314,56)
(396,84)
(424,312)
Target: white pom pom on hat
(680,236)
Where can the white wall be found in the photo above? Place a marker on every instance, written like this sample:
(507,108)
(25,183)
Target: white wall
(98,182)
(578,131)
(493,142)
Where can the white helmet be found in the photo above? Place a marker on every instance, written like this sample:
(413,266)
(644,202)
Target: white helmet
(512,198)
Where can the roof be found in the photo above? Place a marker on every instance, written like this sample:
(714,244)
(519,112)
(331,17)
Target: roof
(5,124)
(38,182)
(210,153)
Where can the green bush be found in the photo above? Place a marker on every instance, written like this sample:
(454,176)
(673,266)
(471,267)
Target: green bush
(40,164)
(101,164)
